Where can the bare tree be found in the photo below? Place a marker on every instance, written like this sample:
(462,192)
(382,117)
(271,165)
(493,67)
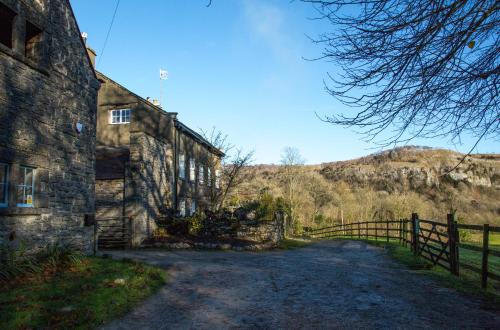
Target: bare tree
(414,68)
(291,161)
(229,173)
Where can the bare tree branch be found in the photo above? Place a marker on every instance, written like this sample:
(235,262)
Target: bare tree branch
(414,68)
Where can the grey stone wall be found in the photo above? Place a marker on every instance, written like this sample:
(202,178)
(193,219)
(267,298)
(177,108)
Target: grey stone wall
(260,231)
(151,162)
(41,101)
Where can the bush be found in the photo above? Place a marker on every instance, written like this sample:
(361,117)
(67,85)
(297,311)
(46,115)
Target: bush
(195,223)
(16,262)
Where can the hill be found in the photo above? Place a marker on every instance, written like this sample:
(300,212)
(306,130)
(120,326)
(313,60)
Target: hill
(392,183)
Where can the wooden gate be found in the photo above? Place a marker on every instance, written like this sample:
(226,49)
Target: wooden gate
(114,232)
(436,242)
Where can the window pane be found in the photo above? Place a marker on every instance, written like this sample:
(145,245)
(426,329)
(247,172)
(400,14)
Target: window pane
(20,194)
(126,116)
(28,178)
(24,191)
(115,116)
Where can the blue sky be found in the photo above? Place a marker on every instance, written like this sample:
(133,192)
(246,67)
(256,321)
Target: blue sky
(237,65)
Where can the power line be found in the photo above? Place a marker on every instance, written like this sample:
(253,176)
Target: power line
(109,31)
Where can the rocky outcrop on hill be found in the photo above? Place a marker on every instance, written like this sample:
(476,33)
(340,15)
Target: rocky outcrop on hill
(416,168)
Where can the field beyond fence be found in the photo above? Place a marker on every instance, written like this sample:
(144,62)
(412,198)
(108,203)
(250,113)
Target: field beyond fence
(455,247)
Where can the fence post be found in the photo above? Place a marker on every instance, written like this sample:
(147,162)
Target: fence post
(387,230)
(401,231)
(359,230)
(366,229)
(486,251)
(406,232)
(452,243)
(414,232)
(376,230)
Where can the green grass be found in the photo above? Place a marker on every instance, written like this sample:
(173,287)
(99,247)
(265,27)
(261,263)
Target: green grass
(290,244)
(468,282)
(83,296)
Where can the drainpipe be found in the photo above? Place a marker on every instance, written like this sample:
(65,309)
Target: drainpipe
(176,158)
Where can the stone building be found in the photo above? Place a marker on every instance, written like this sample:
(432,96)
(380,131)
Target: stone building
(48,104)
(148,162)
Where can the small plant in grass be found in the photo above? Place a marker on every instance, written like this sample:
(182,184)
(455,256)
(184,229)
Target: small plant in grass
(16,262)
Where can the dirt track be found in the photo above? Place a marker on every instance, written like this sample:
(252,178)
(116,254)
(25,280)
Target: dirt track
(330,284)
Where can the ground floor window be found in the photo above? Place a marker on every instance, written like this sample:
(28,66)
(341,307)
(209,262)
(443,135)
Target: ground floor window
(25,187)
(4,184)
(193,207)
(182,207)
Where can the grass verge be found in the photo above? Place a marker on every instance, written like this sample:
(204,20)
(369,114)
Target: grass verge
(468,282)
(83,296)
(290,244)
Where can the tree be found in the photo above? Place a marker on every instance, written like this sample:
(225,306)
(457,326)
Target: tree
(416,68)
(291,161)
(229,173)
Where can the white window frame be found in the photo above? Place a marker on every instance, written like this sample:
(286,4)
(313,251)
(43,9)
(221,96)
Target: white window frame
(192,208)
(5,185)
(192,170)
(123,116)
(182,207)
(182,166)
(209,176)
(201,174)
(24,186)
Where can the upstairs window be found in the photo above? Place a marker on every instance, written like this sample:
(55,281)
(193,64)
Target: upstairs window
(120,116)
(201,175)
(192,170)
(4,184)
(182,166)
(209,176)
(6,25)
(33,41)
(25,187)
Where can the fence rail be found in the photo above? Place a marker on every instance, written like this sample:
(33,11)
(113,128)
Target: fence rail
(434,241)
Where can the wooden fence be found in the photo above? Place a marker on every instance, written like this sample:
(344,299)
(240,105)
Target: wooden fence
(434,241)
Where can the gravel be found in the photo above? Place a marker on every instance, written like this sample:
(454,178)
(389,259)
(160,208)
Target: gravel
(329,284)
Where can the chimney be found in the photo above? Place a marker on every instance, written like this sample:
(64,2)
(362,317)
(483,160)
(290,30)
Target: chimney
(92,55)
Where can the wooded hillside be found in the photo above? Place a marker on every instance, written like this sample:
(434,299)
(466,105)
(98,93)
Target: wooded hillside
(390,184)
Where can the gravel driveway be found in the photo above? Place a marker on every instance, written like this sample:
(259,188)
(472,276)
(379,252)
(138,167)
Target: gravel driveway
(329,284)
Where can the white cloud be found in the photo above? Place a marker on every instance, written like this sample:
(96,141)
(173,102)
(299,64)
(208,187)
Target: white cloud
(267,23)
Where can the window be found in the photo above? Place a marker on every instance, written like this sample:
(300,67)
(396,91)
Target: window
(192,169)
(209,176)
(121,116)
(33,41)
(182,166)
(201,175)
(217,179)
(25,187)
(182,207)
(4,184)
(193,207)
(6,25)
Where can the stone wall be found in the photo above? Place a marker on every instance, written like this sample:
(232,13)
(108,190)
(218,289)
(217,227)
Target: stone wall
(151,183)
(42,102)
(260,231)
